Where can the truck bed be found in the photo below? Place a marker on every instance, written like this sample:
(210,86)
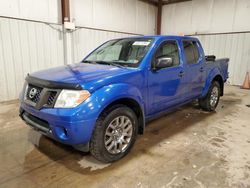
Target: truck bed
(221,64)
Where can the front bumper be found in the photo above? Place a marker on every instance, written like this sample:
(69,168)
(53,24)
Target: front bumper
(63,125)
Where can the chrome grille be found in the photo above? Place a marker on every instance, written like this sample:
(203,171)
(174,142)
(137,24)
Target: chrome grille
(41,97)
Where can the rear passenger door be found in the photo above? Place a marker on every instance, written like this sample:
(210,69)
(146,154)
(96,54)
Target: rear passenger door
(194,67)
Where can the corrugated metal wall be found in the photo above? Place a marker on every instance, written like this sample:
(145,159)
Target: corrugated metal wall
(26,47)
(39,10)
(236,47)
(131,16)
(206,16)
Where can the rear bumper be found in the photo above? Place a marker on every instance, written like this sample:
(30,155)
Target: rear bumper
(63,125)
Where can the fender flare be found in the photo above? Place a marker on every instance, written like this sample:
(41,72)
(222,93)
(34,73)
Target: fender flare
(210,77)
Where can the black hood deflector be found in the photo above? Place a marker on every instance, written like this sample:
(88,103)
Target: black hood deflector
(51,84)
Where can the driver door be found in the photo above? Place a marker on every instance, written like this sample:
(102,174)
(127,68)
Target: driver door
(166,86)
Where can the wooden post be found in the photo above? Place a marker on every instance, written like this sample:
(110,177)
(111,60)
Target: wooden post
(159,15)
(65,11)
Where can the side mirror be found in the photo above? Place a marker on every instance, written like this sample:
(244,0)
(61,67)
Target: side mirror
(163,62)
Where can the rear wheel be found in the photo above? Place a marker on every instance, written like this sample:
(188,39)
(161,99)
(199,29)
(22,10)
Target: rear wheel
(211,100)
(114,135)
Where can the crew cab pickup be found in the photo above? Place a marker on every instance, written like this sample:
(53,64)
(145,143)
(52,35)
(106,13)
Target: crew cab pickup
(102,103)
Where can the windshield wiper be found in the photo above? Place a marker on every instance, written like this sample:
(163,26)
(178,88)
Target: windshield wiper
(86,61)
(104,63)
(110,63)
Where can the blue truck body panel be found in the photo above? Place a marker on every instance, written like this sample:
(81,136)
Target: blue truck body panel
(154,91)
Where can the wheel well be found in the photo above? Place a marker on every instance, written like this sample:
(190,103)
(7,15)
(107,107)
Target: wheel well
(131,103)
(219,79)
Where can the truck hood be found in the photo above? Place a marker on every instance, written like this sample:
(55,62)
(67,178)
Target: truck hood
(80,73)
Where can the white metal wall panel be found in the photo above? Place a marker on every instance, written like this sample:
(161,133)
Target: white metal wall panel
(85,40)
(131,16)
(206,16)
(40,10)
(26,47)
(234,46)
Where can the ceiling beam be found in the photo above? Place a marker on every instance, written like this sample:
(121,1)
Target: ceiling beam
(173,1)
(150,2)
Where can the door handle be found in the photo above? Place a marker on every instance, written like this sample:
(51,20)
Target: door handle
(201,69)
(181,74)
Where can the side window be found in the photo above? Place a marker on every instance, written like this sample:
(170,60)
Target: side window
(196,51)
(191,52)
(169,49)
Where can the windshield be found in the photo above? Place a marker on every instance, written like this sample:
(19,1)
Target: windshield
(122,52)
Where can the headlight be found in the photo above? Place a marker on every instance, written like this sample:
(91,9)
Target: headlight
(71,98)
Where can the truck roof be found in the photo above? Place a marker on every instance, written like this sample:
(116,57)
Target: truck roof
(175,37)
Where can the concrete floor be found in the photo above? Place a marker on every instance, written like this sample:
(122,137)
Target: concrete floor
(186,148)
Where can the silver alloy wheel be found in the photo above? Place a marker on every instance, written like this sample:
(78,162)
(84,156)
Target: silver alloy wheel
(214,96)
(118,135)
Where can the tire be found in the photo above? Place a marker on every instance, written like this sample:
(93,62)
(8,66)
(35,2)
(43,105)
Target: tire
(211,100)
(122,136)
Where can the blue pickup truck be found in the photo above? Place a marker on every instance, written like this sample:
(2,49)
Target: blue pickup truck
(102,103)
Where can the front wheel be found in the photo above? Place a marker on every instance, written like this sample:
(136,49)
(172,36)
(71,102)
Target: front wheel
(114,135)
(211,100)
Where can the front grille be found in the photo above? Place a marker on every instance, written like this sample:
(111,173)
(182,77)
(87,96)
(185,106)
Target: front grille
(33,93)
(41,97)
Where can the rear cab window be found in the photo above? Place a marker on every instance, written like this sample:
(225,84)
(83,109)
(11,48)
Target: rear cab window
(191,51)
